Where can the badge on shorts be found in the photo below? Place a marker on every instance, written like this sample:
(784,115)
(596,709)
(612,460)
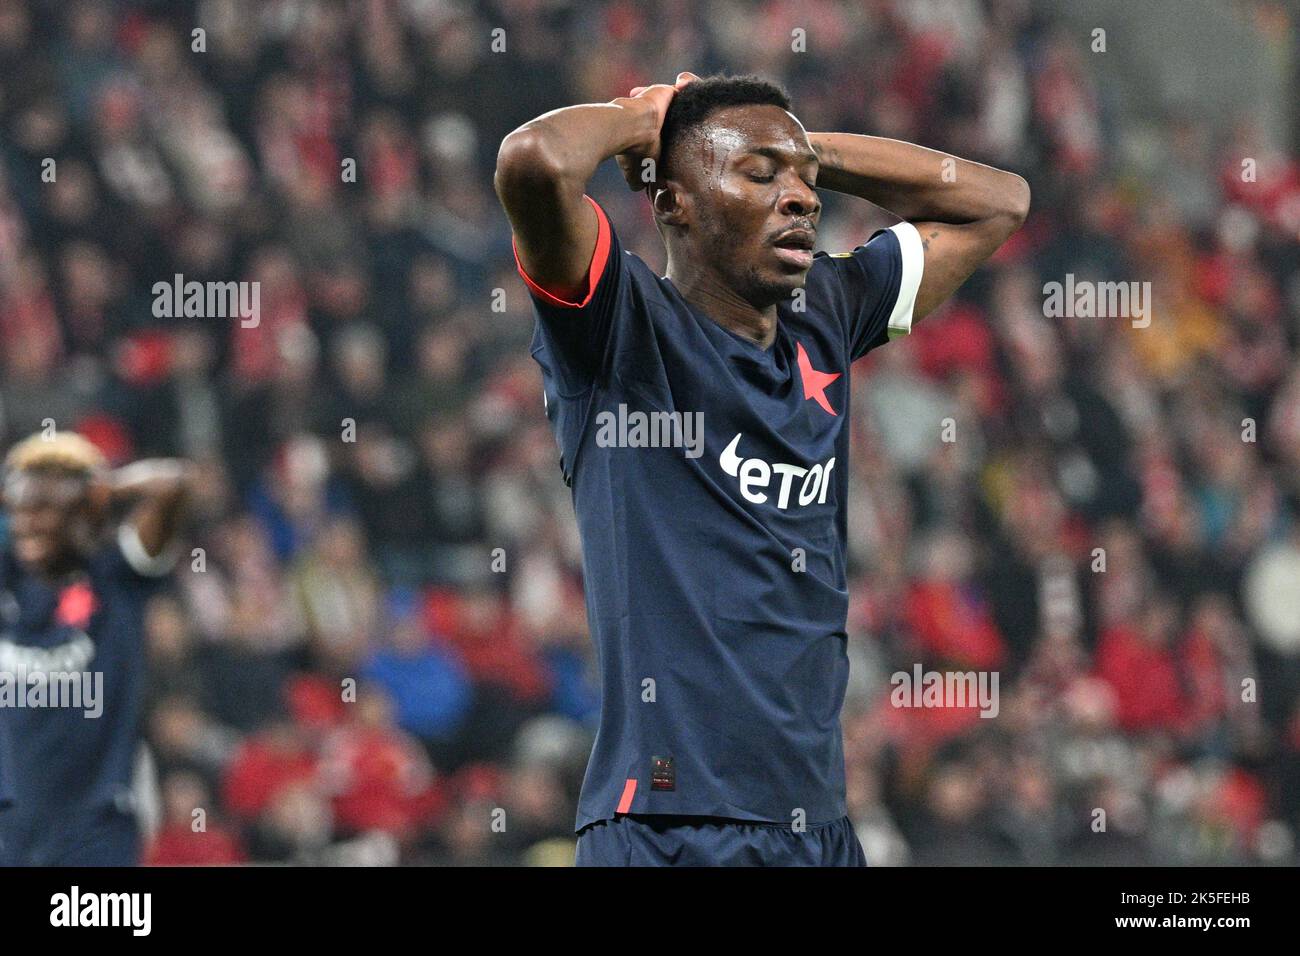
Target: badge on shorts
(663,775)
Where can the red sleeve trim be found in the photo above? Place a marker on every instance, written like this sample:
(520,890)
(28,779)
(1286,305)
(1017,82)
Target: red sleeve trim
(598,259)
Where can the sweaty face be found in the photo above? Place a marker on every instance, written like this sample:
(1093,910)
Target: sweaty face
(47,514)
(749,208)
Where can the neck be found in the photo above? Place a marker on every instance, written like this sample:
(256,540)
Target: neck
(708,293)
(57,569)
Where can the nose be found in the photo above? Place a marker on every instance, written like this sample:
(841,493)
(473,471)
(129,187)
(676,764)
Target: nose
(798,200)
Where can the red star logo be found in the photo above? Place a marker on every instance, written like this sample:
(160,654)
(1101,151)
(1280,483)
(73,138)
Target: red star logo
(76,603)
(814,382)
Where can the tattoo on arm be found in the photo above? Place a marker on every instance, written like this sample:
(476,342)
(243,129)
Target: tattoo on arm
(925,243)
(828,155)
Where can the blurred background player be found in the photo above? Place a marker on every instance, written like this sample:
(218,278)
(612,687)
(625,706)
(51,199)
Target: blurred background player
(74,582)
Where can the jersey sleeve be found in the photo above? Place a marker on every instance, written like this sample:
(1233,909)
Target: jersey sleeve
(577,333)
(878,282)
(134,562)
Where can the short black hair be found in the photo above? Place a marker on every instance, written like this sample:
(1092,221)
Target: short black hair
(701,99)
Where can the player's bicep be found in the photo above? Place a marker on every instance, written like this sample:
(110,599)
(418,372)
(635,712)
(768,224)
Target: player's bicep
(555,227)
(952,253)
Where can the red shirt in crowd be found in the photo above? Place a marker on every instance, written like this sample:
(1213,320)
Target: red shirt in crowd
(1145,678)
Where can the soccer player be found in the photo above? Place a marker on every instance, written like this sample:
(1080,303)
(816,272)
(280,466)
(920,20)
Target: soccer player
(73,588)
(715,581)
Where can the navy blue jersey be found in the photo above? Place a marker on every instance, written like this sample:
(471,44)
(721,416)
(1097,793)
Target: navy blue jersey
(714,570)
(72,672)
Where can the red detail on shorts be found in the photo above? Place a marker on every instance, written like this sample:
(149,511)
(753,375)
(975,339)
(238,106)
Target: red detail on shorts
(625,801)
(598,259)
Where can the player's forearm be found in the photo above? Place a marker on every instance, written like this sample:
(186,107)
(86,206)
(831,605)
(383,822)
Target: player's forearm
(160,487)
(150,478)
(565,146)
(918,184)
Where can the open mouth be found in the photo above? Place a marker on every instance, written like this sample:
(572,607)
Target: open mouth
(795,247)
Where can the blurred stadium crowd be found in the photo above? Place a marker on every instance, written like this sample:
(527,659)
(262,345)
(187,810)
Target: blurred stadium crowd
(327,560)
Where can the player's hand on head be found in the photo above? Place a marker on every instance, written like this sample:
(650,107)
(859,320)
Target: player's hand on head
(632,162)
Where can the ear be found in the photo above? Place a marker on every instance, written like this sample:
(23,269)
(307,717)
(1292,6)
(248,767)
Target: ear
(671,205)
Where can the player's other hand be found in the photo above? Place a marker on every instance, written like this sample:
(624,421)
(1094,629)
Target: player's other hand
(657,96)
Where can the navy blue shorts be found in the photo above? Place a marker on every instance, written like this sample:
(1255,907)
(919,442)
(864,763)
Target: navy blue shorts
(656,840)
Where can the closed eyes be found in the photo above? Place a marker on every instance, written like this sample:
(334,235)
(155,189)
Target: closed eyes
(768,179)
